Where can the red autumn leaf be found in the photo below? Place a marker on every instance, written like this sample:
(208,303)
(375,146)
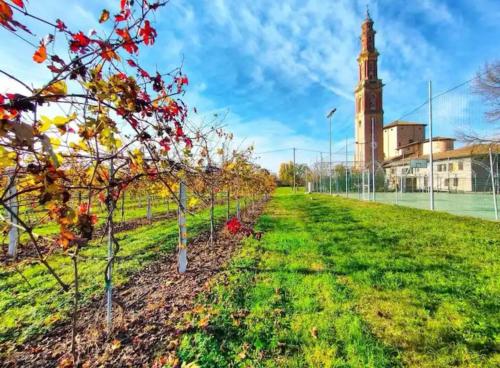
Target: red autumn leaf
(108,53)
(83,208)
(128,44)
(173,108)
(122,16)
(79,42)
(179,132)
(124,12)
(5,13)
(54,69)
(15,23)
(144,74)
(154,6)
(131,63)
(133,122)
(147,33)
(18,3)
(182,80)
(165,144)
(40,55)
(60,25)
(233,226)
(189,142)
(102,197)
(93,219)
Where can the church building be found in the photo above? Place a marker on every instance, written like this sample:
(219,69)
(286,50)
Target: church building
(395,146)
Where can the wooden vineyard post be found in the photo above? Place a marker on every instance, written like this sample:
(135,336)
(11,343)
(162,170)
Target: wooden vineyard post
(238,215)
(123,206)
(14,231)
(182,256)
(109,270)
(212,221)
(149,213)
(228,204)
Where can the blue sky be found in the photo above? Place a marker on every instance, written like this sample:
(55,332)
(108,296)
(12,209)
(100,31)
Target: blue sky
(276,67)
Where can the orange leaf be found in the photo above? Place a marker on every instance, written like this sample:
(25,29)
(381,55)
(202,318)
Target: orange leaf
(5,12)
(104,16)
(40,55)
(108,53)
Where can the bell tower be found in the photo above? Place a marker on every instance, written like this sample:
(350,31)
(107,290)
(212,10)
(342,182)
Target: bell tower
(368,101)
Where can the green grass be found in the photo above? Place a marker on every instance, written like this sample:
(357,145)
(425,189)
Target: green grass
(133,209)
(27,310)
(336,282)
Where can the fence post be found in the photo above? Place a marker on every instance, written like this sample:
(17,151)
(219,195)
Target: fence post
(14,207)
(228,204)
(493,186)
(182,256)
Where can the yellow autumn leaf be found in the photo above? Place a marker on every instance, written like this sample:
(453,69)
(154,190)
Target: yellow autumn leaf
(190,365)
(57,88)
(6,158)
(45,124)
(79,146)
(55,142)
(193,201)
(118,143)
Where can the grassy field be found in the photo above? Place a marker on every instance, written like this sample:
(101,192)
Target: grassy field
(336,282)
(28,309)
(134,208)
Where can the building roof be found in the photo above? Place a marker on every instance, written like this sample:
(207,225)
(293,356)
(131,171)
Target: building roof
(434,139)
(403,123)
(466,151)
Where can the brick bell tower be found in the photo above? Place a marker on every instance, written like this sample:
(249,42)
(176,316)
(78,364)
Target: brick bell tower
(368,100)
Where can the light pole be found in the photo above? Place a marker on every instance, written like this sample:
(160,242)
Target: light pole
(329,116)
(431,162)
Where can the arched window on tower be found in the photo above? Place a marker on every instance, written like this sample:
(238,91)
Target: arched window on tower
(371,70)
(358,107)
(373,102)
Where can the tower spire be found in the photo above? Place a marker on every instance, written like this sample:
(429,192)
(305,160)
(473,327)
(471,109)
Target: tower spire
(368,97)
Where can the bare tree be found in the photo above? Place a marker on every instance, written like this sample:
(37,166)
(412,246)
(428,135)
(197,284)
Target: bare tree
(487,84)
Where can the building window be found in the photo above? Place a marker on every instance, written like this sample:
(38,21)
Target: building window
(455,182)
(373,102)
(450,167)
(371,69)
(460,165)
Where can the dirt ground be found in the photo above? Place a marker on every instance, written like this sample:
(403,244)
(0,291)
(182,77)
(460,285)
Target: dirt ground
(149,312)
